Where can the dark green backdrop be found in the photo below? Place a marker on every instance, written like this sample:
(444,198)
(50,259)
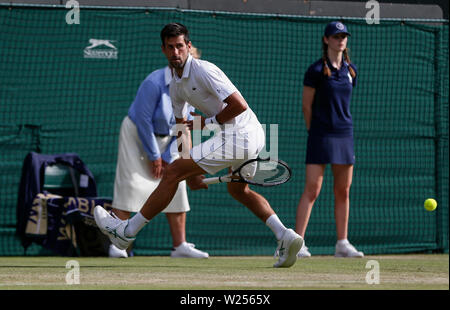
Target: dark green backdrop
(54,100)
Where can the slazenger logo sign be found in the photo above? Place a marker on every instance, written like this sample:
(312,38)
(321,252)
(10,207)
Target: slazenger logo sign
(102,49)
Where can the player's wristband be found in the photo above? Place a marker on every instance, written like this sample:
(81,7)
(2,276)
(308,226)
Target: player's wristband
(211,120)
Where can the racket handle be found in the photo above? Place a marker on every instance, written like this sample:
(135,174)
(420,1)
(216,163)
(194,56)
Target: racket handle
(215,180)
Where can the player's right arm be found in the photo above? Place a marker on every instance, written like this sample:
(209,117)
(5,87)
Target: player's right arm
(183,137)
(184,143)
(182,132)
(307,102)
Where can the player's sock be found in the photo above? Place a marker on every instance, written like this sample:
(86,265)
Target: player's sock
(135,224)
(276,226)
(343,242)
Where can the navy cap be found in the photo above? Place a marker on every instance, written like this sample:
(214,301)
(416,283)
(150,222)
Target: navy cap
(335,28)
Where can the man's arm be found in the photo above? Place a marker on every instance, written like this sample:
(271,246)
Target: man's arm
(236,104)
(184,146)
(183,138)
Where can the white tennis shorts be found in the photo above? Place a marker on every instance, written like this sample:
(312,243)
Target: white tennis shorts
(134,183)
(229,148)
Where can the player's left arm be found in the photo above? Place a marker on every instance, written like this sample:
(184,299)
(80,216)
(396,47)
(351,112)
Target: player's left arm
(236,105)
(217,83)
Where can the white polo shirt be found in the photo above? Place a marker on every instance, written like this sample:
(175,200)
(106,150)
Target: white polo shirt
(204,86)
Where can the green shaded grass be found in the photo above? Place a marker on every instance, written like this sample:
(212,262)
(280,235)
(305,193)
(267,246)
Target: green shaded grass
(397,272)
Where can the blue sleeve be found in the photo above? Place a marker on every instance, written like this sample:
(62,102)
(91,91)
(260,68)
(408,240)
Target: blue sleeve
(312,77)
(145,103)
(167,155)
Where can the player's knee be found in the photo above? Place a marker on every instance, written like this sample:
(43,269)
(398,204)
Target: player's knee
(238,189)
(172,173)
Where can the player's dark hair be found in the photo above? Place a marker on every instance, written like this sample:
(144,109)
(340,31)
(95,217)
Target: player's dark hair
(174,30)
(326,70)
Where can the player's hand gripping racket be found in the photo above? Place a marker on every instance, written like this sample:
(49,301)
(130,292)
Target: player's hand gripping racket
(258,171)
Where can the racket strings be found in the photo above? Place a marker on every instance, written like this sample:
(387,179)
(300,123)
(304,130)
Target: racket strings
(272,173)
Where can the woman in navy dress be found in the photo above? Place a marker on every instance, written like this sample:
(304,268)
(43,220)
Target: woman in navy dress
(328,85)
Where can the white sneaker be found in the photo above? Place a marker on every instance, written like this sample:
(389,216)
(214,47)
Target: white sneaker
(288,247)
(345,249)
(187,250)
(113,227)
(304,252)
(115,252)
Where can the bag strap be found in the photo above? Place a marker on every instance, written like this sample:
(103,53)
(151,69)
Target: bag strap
(74,180)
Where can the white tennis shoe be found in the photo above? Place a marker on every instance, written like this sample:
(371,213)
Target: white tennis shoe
(288,247)
(304,251)
(115,252)
(347,250)
(187,250)
(113,227)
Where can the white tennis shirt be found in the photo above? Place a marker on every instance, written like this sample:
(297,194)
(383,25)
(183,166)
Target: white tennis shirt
(204,86)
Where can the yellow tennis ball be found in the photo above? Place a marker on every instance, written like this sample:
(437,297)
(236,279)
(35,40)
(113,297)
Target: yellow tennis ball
(430,204)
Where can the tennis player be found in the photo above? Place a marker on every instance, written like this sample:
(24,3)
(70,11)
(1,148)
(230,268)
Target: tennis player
(207,88)
(328,85)
(145,149)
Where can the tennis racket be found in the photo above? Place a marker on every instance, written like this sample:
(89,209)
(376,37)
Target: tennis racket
(258,171)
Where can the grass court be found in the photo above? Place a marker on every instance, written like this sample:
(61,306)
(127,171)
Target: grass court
(396,272)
